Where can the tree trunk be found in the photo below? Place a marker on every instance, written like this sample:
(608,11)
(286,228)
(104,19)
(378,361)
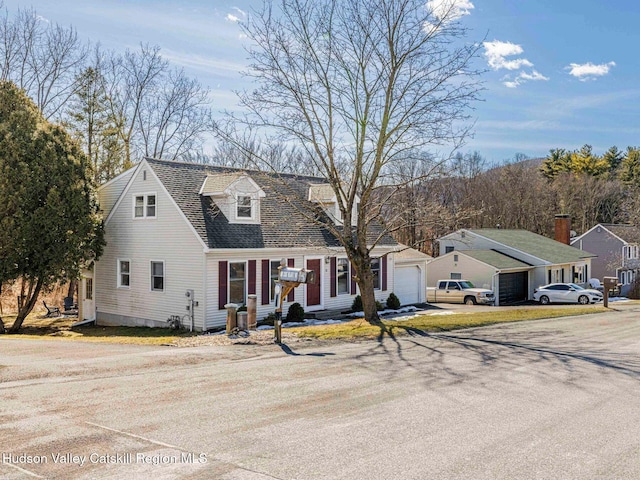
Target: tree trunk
(26,308)
(364,279)
(73,283)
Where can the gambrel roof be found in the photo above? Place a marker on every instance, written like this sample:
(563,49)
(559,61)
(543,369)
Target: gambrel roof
(282,224)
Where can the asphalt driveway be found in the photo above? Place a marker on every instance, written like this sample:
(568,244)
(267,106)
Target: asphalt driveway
(542,399)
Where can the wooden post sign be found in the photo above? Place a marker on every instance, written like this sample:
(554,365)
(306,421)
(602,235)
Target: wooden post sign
(288,279)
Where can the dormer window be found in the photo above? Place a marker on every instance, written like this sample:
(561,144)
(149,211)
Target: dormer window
(244,207)
(236,194)
(324,195)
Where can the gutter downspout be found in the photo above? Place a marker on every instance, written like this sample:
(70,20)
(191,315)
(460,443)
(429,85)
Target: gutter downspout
(496,288)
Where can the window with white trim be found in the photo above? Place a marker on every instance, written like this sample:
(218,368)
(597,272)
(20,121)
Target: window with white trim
(579,274)
(144,206)
(273,274)
(375,270)
(157,276)
(631,252)
(342,276)
(124,273)
(237,282)
(243,207)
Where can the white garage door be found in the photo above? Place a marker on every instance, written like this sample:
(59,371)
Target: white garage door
(408,284)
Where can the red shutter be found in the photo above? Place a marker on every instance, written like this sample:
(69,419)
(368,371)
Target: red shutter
(383,271)
(291,263)
(266,283)
(352,268)
(332,276)
(252,278)
(222,284)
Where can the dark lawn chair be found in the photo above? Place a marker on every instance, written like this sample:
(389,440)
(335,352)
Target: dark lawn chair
(69,304)
(51,311)
(70,308)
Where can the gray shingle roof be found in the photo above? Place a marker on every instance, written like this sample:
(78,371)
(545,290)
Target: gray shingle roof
(282,223)
(628,233)
(495,259)
(534,244)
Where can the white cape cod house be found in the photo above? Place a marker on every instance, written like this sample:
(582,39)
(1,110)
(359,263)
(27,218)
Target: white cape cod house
(172,227)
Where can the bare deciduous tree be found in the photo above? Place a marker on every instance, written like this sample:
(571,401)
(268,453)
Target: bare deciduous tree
(358,86)
(41,58)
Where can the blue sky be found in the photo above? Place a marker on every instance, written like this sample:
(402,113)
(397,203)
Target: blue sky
(560,73)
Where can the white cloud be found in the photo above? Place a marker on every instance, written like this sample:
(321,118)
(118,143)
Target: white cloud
(497,51)
(240,14)
(445,11)
(523,77)
(40,18)
(588,71)
(534,75)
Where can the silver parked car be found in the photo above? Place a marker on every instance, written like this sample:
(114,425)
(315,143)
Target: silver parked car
(566,293)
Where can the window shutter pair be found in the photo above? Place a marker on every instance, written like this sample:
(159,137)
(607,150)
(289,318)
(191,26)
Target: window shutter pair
(223,286)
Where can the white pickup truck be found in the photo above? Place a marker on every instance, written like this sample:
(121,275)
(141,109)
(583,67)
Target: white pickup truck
(459,291)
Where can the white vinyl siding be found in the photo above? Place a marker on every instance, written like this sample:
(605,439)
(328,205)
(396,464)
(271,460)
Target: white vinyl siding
(168,238)
(216,318)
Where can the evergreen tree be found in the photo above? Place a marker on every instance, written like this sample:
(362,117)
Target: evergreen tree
(49,223)
(630,167)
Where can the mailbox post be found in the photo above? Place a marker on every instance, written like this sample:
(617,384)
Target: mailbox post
(609,283)
(288,279)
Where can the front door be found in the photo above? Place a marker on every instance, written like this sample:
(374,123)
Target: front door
(313,289)
(88,302)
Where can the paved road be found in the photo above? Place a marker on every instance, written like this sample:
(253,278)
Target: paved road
(552,399)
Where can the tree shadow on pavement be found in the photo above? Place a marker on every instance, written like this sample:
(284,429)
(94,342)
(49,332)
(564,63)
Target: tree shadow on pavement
(456,356)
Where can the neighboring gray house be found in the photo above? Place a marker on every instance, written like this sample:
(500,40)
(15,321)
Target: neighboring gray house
(618,250)
(172,227)
(510,262)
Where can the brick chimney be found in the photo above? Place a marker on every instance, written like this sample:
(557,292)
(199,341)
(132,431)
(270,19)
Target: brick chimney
(563,229)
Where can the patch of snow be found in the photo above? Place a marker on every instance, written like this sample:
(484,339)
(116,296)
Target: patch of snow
(265,327)
(619,299)
(446,312)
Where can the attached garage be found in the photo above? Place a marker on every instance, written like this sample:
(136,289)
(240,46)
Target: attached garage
(513,287)
(408,284)
(410,275)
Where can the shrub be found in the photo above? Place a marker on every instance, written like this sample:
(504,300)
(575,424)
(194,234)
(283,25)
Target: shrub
(393,302)
(295,313)
(356,306)
(269,319)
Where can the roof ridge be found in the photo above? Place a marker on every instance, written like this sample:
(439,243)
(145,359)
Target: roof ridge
(223,168)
